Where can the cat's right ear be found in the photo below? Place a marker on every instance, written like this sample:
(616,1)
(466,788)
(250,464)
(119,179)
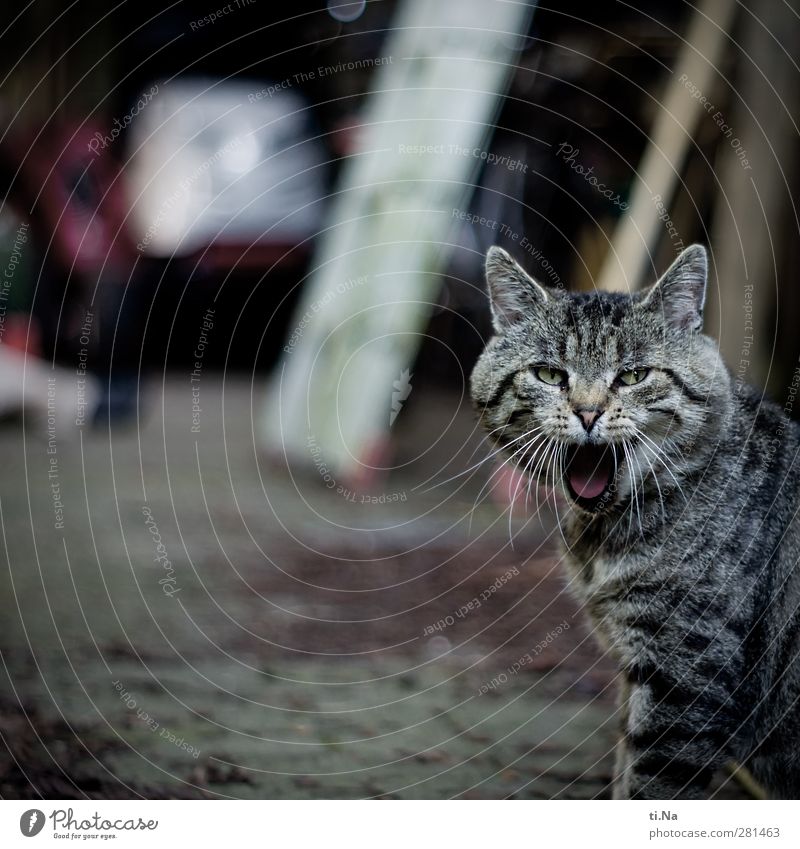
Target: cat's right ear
(680,294)
(513,293)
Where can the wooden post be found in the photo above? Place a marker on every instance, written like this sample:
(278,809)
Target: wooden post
(629,260)
(375,276)
(755,213)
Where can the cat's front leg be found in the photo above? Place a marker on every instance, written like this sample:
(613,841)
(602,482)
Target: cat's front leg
(666,752)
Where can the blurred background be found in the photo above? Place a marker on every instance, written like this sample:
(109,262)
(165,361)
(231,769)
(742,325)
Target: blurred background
(254,544)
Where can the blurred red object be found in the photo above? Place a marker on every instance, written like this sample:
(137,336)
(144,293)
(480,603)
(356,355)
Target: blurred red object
(509,488)
(22,334)
(76,195)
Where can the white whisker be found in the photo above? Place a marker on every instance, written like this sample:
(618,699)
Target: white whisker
(525,447)
(481,462)
(662,458)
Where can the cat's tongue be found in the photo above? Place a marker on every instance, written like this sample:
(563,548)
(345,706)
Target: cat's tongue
(589,470)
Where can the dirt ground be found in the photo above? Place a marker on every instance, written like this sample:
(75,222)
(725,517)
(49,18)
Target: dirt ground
(285,641)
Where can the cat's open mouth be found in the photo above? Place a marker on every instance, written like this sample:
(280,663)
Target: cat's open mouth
(589,471)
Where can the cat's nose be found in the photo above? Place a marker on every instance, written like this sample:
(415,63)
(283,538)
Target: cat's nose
(588,416)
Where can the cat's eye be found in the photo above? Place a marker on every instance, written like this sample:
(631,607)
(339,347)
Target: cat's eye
(551,376)
(633,376)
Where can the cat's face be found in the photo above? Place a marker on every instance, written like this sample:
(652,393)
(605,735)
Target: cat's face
(601,394)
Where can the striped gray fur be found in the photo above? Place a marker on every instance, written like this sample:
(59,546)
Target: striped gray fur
(687,561)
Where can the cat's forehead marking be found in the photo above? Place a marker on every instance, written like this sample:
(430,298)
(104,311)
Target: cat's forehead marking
(594,327)
(571,346)
(613,347)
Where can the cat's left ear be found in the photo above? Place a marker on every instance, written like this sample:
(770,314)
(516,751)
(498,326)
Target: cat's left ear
(680,294)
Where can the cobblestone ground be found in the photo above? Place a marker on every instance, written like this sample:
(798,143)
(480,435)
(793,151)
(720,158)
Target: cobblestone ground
(298,643)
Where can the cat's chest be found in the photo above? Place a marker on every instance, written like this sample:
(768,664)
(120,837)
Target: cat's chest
(599,575)
(602,583)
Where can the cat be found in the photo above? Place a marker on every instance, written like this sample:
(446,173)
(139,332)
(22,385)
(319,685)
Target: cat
(681,527)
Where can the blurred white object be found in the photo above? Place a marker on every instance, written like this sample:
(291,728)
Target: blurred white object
(346,12)
(57,401)
(223,164)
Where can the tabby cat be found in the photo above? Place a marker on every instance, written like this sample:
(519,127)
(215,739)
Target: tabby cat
(681,528)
